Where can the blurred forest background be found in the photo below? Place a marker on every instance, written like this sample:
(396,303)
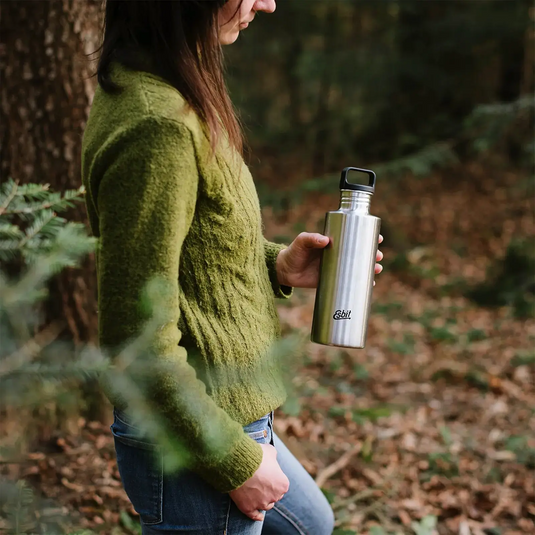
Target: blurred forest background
(431,428)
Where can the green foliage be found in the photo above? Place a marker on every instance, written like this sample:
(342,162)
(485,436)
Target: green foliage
(30,228)
(525,454)
(292,406)
(427,318)
(47,244)
(420,163)
(446,435)
(336,361)
(442,334)
(494,475)
(477,379)
(16,501)
(510,281)
(414,264)
(388,308)
(34,369)
(443,463)
(127,521)
(491,123)
(360,372)
(329,494)
(523,359)
(372,414)
(337,411)
(404,347)
(475,335)
(426,526)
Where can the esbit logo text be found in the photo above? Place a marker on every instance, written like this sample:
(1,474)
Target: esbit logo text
(342,315)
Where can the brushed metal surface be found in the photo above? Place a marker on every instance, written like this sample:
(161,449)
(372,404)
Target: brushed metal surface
(344,294)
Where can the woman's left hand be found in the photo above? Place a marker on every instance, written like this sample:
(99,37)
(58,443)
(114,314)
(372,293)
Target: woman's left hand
(298,265)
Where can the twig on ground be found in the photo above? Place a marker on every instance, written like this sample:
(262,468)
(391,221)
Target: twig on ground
(362,495)
(343,461)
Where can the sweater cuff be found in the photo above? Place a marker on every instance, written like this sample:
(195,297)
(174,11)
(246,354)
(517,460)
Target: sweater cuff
(271,251)
(235,468)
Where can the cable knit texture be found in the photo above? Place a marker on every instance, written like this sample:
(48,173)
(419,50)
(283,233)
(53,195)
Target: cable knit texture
(162,207)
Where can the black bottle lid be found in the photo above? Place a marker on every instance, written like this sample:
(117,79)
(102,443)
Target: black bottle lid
(370,188)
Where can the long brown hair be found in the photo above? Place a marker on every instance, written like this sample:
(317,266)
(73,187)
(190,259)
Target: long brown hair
(182,40)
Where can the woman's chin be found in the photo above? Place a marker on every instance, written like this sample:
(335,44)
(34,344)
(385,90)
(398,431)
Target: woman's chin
(229,37)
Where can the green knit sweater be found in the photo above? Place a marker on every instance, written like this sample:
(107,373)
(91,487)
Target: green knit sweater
(162,207)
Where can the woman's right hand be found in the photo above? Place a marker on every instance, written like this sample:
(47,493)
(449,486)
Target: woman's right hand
(267,486)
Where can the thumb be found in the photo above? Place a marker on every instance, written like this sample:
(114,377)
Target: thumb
(312,240)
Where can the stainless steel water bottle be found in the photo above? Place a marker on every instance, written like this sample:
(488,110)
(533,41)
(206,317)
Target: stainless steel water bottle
(344,294)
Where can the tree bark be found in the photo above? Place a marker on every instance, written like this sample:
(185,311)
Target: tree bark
(46,92)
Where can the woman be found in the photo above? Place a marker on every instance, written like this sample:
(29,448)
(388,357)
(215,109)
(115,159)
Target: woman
(169,197)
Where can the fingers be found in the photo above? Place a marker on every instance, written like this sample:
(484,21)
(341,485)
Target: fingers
(255,515)
(312,240)
(315,240)
(378,258)
(258,514)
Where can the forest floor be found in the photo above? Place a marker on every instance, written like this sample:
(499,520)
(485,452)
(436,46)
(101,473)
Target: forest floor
(429,429)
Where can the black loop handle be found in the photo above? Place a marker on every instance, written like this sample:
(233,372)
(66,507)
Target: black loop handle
(344,184)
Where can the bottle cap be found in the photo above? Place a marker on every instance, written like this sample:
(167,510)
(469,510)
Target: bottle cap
(370,188)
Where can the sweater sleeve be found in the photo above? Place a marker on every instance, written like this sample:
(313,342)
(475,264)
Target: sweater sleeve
(271,251)
(146,201)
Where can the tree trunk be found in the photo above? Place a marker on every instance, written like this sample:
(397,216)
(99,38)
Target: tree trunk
(46,92)
(321,122)
(513,54)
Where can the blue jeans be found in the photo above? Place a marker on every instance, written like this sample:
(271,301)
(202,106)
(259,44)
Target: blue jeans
(182,502)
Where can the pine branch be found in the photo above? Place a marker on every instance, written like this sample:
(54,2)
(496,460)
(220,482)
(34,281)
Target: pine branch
(507,109)
(34,191)
(70,244)
(9,231)
(18,509)
(488,123)
(38,226)
(9,250)
(54,201)
(9,190)
(9,245)
(422,162)
(55,372)
(31,349)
